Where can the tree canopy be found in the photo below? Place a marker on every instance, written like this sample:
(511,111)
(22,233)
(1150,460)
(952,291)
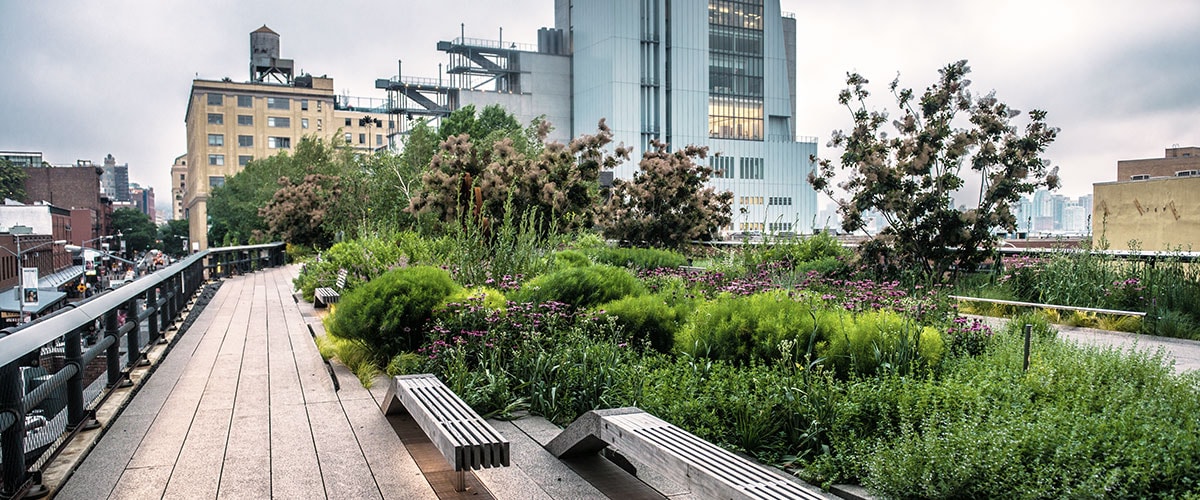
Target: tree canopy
(136,228)
(667,203)
(173,236)
(12,180)
(910,178)
(549,179)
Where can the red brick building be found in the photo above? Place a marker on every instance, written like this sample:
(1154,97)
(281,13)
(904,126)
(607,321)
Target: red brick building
(72,188)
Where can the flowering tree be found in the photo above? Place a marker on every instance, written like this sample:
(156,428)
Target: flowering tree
(551,179)
(667,203)
(910,178)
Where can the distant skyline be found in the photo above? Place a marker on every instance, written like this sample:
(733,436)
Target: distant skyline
(85,79)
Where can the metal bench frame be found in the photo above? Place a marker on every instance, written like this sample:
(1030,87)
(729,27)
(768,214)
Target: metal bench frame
(707,470)
(465,439)
(324,296)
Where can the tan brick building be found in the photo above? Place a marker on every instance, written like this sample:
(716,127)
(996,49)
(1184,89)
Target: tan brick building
(231,123)
(1154,202)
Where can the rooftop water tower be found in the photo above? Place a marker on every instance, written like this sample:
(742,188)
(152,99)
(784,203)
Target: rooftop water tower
(264,58)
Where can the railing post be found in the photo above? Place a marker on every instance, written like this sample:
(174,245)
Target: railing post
(113,356)
(12,440)
(152,318)
(76,414)
(133,345)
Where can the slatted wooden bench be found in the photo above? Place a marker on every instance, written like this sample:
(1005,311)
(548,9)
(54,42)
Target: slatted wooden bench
(324,296)
(465,439)
(705,469)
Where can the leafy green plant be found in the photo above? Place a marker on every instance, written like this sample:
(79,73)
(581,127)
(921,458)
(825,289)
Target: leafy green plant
(389,313)
(581,287)
(740,329)
(646,319)
(640,258)
(363,259)
(571,258)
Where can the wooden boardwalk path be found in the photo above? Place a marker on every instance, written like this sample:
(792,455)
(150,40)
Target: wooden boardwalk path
(244,407)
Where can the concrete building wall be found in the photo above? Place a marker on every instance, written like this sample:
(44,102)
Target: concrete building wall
(645,65)
(1160,214)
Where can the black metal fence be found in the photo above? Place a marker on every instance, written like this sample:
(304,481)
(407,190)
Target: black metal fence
(56,371)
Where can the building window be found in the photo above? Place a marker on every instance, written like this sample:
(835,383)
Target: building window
(362,138)
(349,137)
(279,121)
(244,159)
(245,101)
(279,142)
(751,168)
(216,181)
(304,104)
(391,124)
(215,99)
(304,123)
(216,159)
(347,122)
(318,121)
(216,139)
(245,141)
(246,120)
(722,167)
(216,119)
(378,139)
(278,103)
(779,201)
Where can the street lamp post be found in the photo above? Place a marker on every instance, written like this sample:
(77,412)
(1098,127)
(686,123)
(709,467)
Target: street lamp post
(20,270)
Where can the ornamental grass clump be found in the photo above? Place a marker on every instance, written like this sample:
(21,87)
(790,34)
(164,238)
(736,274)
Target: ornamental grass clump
(581,287)
(389,313)
(648,319)
(638,258)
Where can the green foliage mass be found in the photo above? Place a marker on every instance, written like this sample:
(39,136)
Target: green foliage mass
(581,287)
(364,259)
(647,319)
(639,258)
(571,258)
(795,251)
(910,176)
(390,312)
(668,202)
(12,180)
(769,326)
(136,228)
(174,235)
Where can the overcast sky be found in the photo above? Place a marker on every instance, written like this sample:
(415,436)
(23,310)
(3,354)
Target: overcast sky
(83,79)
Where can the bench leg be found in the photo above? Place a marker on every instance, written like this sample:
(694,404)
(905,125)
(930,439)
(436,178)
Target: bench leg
(460,480)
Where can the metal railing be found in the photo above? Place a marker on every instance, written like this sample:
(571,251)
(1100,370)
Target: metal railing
(56,371)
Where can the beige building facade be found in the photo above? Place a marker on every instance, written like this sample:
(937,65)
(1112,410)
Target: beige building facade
(178,185)
(1154,205)
(231,123)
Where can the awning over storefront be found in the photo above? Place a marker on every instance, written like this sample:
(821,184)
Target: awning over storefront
(46,298)
(61,277)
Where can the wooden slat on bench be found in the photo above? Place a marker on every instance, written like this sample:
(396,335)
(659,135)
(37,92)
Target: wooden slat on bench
(707,470)
(466,440)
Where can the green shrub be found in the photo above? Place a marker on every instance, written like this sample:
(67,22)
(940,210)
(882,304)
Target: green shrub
(363,259)
(405,363)
(389,313)
(647,318)
(571,258)
(581,287)
(639,258)
(795,251)
(882,340)
(1170,323)
(741,329)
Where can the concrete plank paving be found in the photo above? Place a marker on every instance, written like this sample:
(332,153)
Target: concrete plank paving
(243,407)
